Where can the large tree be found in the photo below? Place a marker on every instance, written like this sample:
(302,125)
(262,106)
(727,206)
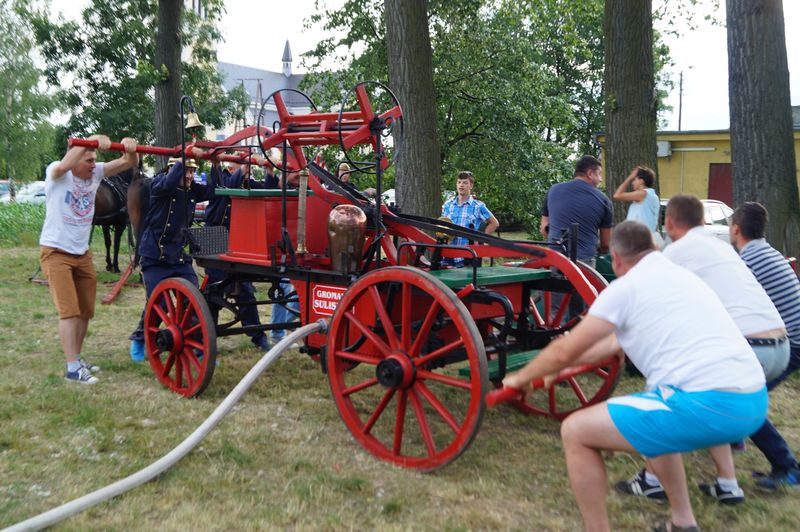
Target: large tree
(168,65)
(418,177)
(24,107)
(630,96)
(762,146)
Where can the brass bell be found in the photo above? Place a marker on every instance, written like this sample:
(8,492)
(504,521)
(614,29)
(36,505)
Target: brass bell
(193,122)
(441,236)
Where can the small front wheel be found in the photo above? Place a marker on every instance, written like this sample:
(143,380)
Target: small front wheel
(180,337)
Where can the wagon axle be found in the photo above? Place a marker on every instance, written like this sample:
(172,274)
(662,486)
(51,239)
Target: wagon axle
(397,371)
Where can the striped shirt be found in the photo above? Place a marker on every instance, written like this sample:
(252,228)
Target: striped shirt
(779,281)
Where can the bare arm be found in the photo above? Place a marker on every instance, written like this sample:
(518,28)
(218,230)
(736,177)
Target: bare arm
(128,160)
(621,195)
(491,225)
(544,225)
(574,348)
(605,239)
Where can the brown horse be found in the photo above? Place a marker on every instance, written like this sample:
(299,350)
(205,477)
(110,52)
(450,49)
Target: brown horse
(111,212)
(138,201)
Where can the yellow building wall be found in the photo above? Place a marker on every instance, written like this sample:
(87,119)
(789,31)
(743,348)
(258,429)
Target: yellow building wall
(686,170)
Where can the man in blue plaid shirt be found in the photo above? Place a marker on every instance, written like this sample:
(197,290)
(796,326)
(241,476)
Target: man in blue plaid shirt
(466,211)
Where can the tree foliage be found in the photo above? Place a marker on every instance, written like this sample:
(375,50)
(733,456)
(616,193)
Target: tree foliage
(518,87)
(104,64)
(25,134)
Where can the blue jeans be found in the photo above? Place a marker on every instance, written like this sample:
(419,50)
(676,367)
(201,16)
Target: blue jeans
(282,314)
(768,440)
(245,298)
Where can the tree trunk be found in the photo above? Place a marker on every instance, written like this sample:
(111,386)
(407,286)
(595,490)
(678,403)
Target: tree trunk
(762,144)
(630,97)
(168,62)
(419,169)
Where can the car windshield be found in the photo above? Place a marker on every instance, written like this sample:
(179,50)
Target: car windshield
(715,215)
(3,188)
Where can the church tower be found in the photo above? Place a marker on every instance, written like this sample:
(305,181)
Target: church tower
(287,60)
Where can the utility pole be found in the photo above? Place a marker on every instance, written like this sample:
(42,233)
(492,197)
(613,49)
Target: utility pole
(680,96)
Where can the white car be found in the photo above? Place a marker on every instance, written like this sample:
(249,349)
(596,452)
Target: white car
(30,193)
(717,217)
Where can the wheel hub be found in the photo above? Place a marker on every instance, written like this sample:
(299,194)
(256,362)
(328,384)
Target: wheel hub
(396,371)
(169,339)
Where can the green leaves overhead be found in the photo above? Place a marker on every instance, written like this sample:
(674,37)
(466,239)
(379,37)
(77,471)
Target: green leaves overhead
(518,87)
(104,65)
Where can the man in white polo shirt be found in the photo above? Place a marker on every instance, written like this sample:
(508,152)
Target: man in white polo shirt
(720,267)
(704,384)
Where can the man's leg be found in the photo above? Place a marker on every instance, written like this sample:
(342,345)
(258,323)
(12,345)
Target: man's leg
(69,331)
(723,459)
(669,468)
(584,434)
(770,442)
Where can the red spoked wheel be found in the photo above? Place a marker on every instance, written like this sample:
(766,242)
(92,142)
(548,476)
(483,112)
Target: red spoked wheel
(405,402)
(577,390)
(180,337)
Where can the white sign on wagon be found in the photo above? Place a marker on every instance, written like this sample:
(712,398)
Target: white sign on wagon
(325,298)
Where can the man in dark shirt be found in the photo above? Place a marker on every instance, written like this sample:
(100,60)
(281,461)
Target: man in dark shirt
(218,213)
(579,201)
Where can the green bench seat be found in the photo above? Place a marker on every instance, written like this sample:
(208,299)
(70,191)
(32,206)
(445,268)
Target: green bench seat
(513,363)
(489,275)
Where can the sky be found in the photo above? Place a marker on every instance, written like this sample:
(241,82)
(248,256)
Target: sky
(256,31)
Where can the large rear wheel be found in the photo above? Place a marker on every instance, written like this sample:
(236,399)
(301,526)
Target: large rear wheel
(594,383)
(405,402)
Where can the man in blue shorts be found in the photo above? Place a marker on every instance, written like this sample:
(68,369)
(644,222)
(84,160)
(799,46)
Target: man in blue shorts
(705,386)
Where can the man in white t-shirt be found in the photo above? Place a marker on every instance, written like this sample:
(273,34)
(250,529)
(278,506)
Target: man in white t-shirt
(704,384)
(70,188)
(747,303)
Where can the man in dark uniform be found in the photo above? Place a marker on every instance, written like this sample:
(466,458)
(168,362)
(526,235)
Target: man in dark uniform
(173,194)
(218,212)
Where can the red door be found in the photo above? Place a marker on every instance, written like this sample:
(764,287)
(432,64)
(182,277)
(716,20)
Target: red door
(720,183)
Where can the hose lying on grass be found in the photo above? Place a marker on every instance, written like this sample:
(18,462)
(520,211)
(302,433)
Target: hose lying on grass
(59,513)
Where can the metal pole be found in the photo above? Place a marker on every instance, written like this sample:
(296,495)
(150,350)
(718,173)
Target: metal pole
(680,99)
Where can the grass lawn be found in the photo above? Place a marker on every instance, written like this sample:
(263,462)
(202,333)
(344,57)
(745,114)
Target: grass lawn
(282,459)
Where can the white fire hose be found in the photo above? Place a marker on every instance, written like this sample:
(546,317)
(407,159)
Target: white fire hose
(59,513)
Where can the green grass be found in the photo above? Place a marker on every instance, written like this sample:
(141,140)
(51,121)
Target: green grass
(20,224)
(282,459)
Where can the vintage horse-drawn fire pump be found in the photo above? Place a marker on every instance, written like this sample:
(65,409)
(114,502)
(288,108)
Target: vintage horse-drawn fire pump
(412,347)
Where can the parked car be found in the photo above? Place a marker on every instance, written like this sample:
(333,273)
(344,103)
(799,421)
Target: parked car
(5,188)
(30,193)
(717,217)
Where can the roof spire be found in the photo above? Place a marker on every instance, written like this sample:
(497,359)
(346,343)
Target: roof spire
(287,60)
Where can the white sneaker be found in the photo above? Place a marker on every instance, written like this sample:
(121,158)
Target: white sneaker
(83,376)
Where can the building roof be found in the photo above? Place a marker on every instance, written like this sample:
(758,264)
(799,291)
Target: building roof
(237,75)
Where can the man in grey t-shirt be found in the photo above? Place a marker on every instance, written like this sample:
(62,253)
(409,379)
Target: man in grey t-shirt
(579,201)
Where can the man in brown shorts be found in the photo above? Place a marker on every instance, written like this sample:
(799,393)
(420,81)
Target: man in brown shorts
(70,188)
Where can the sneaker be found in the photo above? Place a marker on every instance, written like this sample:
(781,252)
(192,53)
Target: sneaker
(137,350)
(736,496)
(263,344)
(778,479)
(88,365)
(83,376)
(638,487)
